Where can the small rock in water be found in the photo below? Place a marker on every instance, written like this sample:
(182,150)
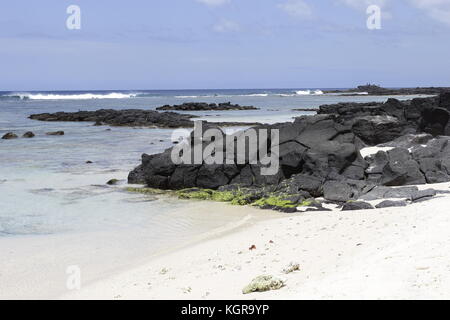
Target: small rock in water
(56,133)
(356,205)
(89,162)
(112,182)
(263,283)
(389,204)
(10,135)
(291,268)
(28,134)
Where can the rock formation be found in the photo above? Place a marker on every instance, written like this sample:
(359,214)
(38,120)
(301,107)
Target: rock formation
(374,90)
(128,118)
(320,155)
(202,106)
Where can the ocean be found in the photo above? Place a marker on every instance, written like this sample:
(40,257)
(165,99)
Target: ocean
(56,210)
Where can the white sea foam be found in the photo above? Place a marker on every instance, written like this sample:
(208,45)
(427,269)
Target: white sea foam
(309,92)
(82,96)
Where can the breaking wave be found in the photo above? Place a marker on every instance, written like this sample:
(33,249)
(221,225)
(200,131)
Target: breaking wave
(309,92)
(82,96)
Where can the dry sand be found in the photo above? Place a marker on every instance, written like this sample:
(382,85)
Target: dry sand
(394,253)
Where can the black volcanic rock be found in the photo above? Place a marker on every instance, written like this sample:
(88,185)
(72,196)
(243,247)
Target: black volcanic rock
(320,155)
(390,204)
(130,118)
(375,90)
(9,135)
(28,134)
(356,205)
(202,106)
(55,133)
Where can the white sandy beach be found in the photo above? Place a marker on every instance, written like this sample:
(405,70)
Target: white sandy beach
(394,253)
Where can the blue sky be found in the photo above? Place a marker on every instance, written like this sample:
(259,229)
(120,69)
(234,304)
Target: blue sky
(175,44)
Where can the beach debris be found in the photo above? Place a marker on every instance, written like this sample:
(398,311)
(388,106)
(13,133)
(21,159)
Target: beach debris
(10,135)
(293,266)
(163,271)
(263,283)
(252,247)
(55,133)
(271,241)
(186,290)
(28,134)
(220,267)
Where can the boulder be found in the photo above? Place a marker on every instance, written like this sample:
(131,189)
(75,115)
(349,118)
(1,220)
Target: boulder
(381,192)
(395,167)
(390,203)
(356,205)
(374,130)
(344,190)
(423,194)
(55,133)
(9,135)
(28,134)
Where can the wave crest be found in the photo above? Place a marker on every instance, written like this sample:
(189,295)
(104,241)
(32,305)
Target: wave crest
(81,96)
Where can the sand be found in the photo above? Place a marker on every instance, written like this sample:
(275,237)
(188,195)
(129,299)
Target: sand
(393,253)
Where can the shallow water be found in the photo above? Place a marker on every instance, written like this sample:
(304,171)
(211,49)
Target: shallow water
(56,210)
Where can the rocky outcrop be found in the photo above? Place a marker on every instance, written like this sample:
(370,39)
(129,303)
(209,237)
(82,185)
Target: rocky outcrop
(375,90)
(129,118)
(320,156)
(202,106)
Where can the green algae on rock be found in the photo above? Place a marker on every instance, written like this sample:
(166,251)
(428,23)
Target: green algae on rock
(240,197)
(146,190)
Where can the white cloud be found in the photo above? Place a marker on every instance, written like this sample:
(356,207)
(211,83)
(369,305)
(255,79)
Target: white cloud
(213,3)
(436,9)
(363,4)
(296,8)
(225,25)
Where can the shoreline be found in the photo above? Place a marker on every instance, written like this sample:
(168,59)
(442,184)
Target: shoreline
(99,254)
(391,253)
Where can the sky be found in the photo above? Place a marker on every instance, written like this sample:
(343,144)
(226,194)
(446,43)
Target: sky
(212,44)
